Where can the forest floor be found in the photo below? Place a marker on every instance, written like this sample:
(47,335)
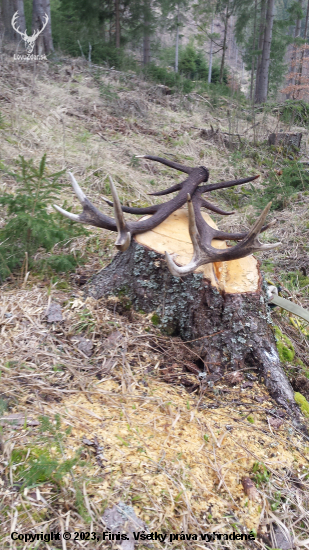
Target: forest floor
(87,419)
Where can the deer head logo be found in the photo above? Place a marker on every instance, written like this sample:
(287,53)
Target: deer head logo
(29,40)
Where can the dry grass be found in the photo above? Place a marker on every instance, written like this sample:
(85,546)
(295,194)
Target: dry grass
(154,455)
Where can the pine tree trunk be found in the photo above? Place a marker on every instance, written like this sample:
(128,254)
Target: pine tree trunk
(177,48)
(293,61)
(117,23)
(303,54)
(44,42)
(253,48)
(262,87)
(9,7)
(210,53)
(260,44)
(224,43)
(146,47)
(221,313)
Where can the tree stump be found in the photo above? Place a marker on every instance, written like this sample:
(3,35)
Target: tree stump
(220,310)
(288,139)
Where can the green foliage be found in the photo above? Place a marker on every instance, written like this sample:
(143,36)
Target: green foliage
(155,319)
(43,462)
(168,78)
(294,111)
(279,189)
(30,225)
(86,322)
(261,474)
(284,346)
(295,281)
(303,403)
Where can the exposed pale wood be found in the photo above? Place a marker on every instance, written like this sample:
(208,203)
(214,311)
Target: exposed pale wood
(172,236)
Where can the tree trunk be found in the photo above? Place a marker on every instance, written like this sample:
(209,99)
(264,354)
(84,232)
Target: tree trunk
(260,43)
(177,45)
(253,49)
(146,32)
(303,55)
(9,7)
(262,87)
(220,312)
(44,42)
(224,42)
(117,23)
(293,62)
(210,53)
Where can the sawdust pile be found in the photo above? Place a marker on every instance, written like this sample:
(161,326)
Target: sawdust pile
(178,458)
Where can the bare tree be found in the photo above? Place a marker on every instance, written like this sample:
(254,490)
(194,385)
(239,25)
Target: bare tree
(293,60)
(146,37)
(44,42)
(117,23)
(262,82)
(261,40)
(301,62)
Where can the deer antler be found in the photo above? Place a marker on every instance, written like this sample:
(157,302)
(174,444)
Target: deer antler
(92,216)
(202,234)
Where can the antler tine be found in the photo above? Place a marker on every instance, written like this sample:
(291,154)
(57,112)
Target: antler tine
(255,230)
(124,235)
(176,270)
(90,214)
(67,214)
(170,163)
(214,208)
(225,184)
(135,210)
(78,191)
(204,253)
(175,187)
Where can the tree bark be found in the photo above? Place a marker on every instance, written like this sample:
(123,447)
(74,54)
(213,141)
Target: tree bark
(260,43)
(9,7)
(303,55)
(224,42)
(44,42)
(117,23)
(177,43)
(293,61)
(226,331)
(262,87)
(146,32)
(253,55)
(210,53)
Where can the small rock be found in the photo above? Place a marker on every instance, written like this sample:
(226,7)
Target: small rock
(233,378)
(54,313)
(275,422)
(281,539)
(85,346)
(247,385)
(122,517)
